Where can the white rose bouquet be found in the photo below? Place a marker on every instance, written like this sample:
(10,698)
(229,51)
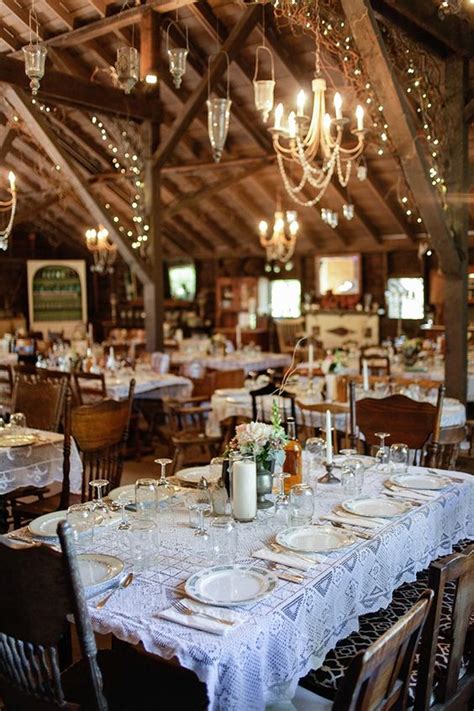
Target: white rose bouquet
(266,443)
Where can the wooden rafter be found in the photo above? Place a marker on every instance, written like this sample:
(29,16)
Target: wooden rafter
(43,133)
(233,44)
(73,91)
(7,143)
(395,210)
(10,38)
(23,16)
(402,130)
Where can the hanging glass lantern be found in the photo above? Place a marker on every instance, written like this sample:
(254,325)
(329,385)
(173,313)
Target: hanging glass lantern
(127,67)
(177,57)
(361,169)
(348,211)
(35,57)
(264,88)
(218,114)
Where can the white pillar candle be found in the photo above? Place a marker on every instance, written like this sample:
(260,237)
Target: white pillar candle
(365,374)
(244,490)
(328,437)
(311,360)
(331,387)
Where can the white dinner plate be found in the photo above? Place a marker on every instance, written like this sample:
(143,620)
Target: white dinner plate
(376,507)
(314,539)
(97,569)
(423,480)
(46,526)
(192,475)
(230,585)
(364,459)
(126,494)
(10,439)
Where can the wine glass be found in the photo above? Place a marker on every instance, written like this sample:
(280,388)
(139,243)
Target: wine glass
(97,485)
(164,487)
(282,501)
(382,454)
(201,505)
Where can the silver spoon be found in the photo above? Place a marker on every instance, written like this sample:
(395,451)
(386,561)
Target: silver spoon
(123,584)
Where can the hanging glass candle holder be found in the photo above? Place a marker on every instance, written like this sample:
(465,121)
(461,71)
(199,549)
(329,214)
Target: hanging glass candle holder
(218,115)
(177,57)
(127,67)
(361,169)
(35,57)
(348,211)
(264,88)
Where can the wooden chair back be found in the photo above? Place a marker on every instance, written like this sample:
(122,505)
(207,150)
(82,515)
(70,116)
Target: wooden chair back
(407,420)
(41,399)
(288,332)
(378,678)
(454,690)
(89,387)
(228,378)
(101,432)
(6,383)
(377,363)
(313,421)
(40,588)
(443,453)
(262,403)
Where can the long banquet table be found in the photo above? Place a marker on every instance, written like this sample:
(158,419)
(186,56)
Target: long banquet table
(239,360)
(147,384)
(290,631)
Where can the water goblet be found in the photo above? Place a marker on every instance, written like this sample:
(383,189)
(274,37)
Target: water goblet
(97,485)
(146,497)
(382,455)
(165,489)
(82,518)
(399,454)
(301,505)
(282,500)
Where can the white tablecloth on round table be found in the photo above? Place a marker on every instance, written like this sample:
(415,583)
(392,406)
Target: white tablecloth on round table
(234,361)
(290,631)
(240,403)
(148,384)
(39,464)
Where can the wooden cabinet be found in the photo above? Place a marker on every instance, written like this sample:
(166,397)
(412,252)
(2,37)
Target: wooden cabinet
(234,294)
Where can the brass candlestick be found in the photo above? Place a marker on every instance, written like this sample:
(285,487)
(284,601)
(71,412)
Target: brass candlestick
(329,477)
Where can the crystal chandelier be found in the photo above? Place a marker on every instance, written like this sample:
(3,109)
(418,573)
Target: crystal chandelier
(280,244)
(5,207)
(315,142)
(104,251)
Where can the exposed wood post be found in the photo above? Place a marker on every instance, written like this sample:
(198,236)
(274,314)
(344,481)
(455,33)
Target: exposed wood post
(150,36)
(455,308)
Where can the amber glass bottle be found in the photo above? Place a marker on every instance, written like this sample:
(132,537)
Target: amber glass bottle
(293,464)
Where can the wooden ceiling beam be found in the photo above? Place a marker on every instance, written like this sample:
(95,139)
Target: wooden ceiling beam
(73,91)
(369,41)
(450,31)
(395,210)
(10,38)
(7,143)
(23,16)
(231,47)
(198,168)
(40,129)
(150,40)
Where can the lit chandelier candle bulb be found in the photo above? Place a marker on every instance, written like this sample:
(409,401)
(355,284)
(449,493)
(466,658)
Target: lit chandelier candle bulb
(292,125)
(300,102)
(244,490)
(327,125)
(338,105)
(328,437)
(278,117)
(360,118)
(12,181)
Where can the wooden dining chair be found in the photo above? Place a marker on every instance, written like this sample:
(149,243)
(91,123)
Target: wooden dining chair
(41,399)
(409,421)
(313,421)
(6,385)
(41,590)
(444,452)
(377,358)
(89,387)
(262,403)
(378,677)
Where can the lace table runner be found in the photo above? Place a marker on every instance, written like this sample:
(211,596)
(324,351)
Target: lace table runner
(290,631)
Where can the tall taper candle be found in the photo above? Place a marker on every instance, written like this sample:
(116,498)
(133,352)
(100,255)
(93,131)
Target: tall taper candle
(311,361)
(328,437)
(365,374)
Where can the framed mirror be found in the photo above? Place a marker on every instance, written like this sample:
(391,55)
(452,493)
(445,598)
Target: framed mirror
(339,274)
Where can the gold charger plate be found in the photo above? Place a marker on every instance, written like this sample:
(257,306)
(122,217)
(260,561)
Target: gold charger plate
(17,440)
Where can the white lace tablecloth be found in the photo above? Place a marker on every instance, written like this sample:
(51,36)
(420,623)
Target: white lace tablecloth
(234,361)
(240,403)
(290,631)
(39,464)
(148,384)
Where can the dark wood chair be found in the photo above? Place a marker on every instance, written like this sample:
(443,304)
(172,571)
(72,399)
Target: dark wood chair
(409,421)
(186,433)
(41,398)
(443,453)
(262,404)
(100,432)
(379,676)
(313,421)
(89,387)
(42,588)
(6,385)
(377,359)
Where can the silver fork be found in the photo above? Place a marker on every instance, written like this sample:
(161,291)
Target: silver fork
(183,610)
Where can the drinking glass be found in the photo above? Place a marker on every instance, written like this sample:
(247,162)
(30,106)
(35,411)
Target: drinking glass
(301,505)
(382,455)
(18,421)
(146,497)
(143,541)
(352,476)
(399,454)
(223,532)
(82,518)
(98,485)
(165,489)
(316,449)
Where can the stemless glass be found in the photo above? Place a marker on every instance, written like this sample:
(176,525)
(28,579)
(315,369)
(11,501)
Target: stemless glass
(316,453)
(165,489)
(143,542)
(97,486)
(301,505)
(146,497)
(399,454)
(223,533)
(359,470)
(82,518)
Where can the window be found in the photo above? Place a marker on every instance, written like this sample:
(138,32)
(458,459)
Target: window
(285,297)
(183,282)
(405,298)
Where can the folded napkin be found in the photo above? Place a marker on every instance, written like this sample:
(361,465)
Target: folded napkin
(423,495)
(355,526)
(204,623)
(356,520)
(288,559)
